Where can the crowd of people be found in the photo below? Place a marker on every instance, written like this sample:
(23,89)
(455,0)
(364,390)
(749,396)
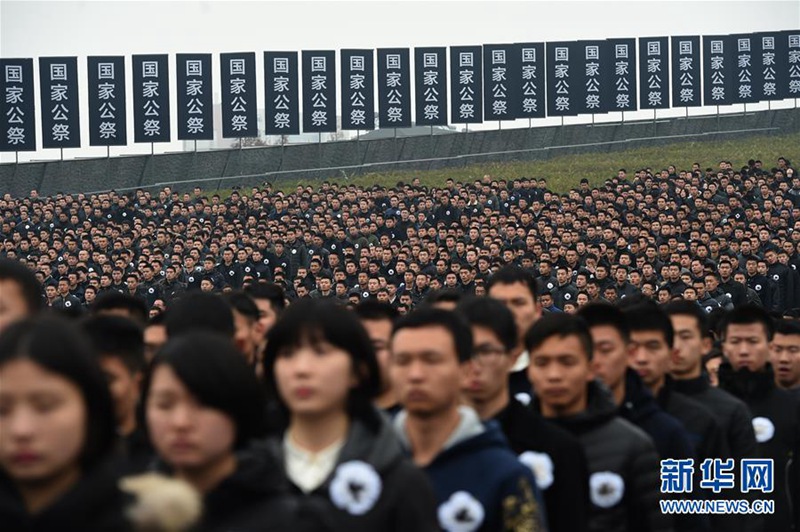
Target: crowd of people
(481,356)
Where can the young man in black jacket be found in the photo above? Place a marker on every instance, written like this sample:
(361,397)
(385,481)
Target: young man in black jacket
(623,462)
(555,455)
(748,375)
(785,356)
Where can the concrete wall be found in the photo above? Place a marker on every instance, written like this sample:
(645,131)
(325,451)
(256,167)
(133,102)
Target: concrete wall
(225,168)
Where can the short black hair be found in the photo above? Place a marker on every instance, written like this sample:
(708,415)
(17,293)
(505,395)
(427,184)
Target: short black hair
(115,336)
(691,309)
(650,317)
(113,300)
(27,281)
(272,292)
(492,314)
(787,327)
(317,320)
(513,275)
(59,347)
(243,303)
(455,324)
(600,314)
(200,311)
(747,315)
(216,374)
(445,295)
(559,325)
(373,310)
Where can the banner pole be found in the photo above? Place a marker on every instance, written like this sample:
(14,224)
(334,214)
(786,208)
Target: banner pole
(152,148)
(530,123)
(654,122)
(499,125)
(718,118)
(195,145)
(62,154)
(745,109)
(16,157)
(319,149)
(108,151)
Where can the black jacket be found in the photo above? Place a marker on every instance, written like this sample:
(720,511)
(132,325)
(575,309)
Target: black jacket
(406,500)
(567,497)
(617,451)
(776,416)
(93,504)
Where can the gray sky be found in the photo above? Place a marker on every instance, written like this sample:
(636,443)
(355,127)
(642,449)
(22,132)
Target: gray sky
(35,29)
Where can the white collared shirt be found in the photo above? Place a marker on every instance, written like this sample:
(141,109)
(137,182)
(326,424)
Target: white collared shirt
(308,470)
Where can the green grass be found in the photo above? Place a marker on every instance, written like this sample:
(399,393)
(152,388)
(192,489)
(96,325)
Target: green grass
(565,172)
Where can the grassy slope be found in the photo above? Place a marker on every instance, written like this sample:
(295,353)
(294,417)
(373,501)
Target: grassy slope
(564,172)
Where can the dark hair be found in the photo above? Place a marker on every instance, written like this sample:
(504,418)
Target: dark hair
(271,292)
(492,314)
(691,309)
(600,314)
(443,296)
(57,346)
(27,282)
(455,324)
(513,275)
(313,321)
(243,303)
(113,300)
(787,327)
(202,312)
(373,310)
(559,325)
(746,315)
(216,374)
(116,336)
(650,317)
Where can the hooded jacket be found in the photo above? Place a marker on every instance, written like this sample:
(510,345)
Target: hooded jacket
(94,504)
(563,481)
(623,467)
(776,417)
(478,481)
(405,500)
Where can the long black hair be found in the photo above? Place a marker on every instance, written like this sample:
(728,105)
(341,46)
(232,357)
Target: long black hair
(313,321)
(58,346)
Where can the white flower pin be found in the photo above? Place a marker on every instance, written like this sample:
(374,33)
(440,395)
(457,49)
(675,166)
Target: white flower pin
(356,487)
(542,466)
(606,488)
(764,429)
(524,398)
(461,513)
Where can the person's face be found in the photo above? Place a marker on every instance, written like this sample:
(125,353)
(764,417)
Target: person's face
(785,359)
(425,370)
(610,357)
(487,373)
(690,346)
(380,333)
(123,385)
(520,302)
(244,336)
(745,346)
(559,371)
(186,433)
(43,416)
(155,336)
(650,356)
(314,379)
(12,303)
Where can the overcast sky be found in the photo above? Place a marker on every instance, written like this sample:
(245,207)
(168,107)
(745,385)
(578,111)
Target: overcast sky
(36,29)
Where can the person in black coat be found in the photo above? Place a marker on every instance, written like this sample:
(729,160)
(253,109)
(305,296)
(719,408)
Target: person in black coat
(555,456)
(340,454)
(204,408)
(748,375)
(58,433)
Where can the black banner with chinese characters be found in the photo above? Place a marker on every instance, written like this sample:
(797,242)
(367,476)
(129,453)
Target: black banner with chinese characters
(767,80)
(746,49)
(594,92)
(195,105)
(151,118)
(58,85)
(686,71)
(620,65)
(717,70)
(394,87)
(239,102)
(466,89)
(17,113)
(358,89)
(319,91)
(107,116)
(562,79)
(499,61)
(430,86)
(654,84)
(527,79)
(792,64)
(282,94)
